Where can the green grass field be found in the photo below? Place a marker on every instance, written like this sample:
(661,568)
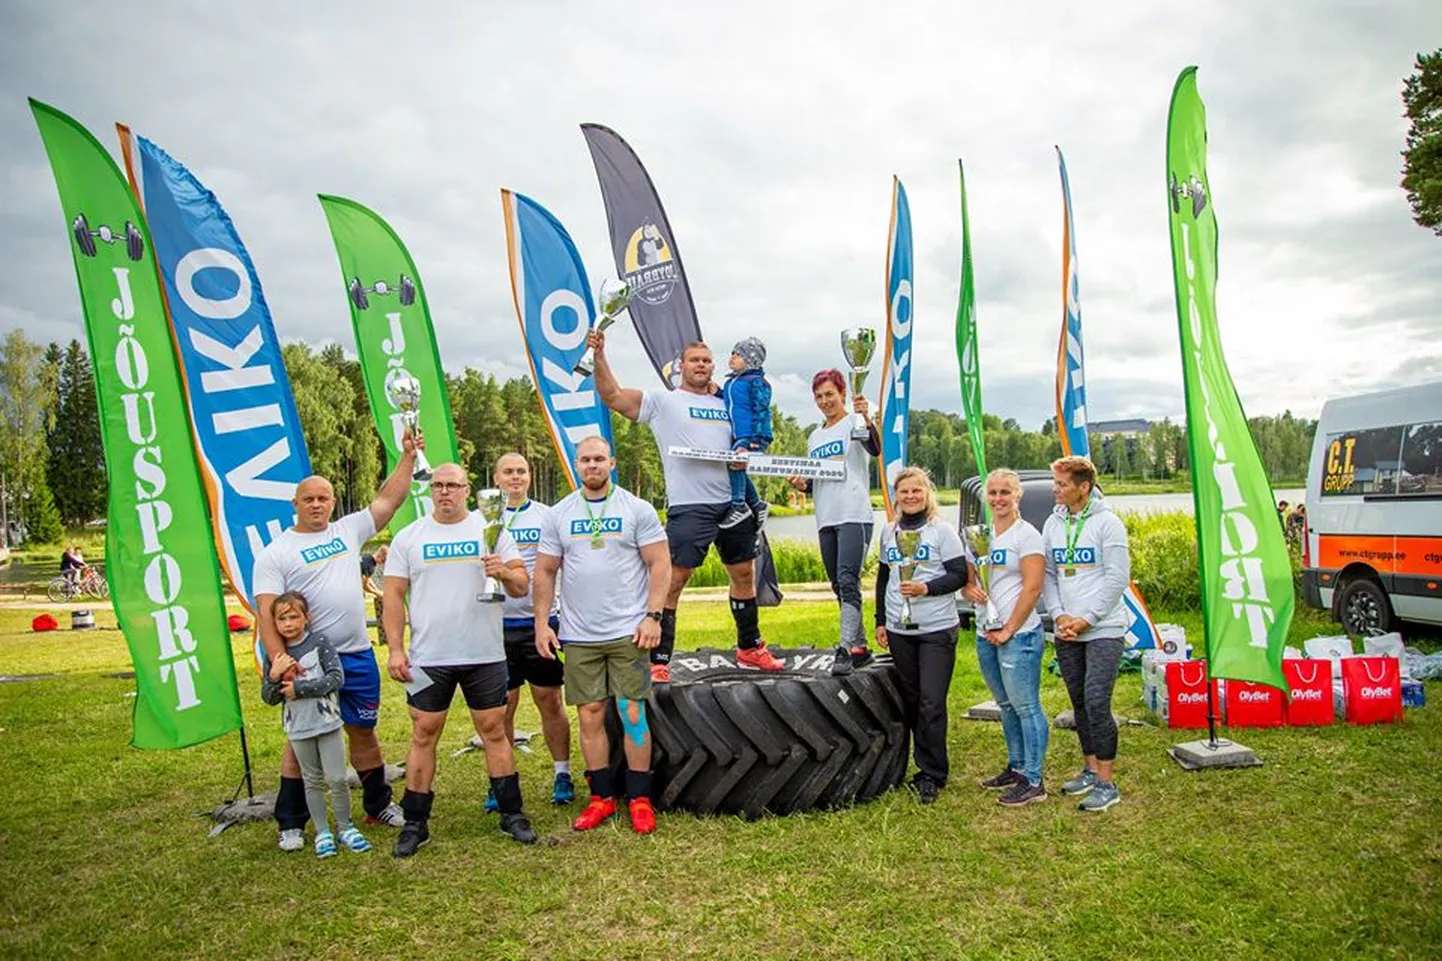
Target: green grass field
(1330,850)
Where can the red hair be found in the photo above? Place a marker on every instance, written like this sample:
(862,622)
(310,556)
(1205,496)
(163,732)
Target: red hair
(832,377)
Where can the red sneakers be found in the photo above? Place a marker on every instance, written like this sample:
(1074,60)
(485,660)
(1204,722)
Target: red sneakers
(597,810)
(759,658)
(660,673)
(643,816)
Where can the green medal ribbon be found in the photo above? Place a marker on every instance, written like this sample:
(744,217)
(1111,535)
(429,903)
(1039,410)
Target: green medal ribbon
(1073,534)
(596,542)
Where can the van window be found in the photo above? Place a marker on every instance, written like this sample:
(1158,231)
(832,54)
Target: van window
(1421,471)
(1362,461)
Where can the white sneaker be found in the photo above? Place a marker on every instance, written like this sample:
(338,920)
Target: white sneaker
(391,817)
(292,839)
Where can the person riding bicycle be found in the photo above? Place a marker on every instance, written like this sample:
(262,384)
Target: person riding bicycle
(72,565)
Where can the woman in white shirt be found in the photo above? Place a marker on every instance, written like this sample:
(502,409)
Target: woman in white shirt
(843,508)
(1011,656)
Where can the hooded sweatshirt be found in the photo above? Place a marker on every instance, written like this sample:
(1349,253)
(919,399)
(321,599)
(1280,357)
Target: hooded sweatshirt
(1102,563)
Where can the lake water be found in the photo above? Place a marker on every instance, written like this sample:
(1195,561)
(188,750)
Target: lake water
(804,527)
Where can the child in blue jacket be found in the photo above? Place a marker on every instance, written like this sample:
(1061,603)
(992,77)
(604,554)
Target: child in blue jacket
(748,404)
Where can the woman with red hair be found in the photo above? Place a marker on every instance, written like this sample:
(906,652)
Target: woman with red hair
(843,508)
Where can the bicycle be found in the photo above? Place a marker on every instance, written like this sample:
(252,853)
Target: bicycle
(91,583)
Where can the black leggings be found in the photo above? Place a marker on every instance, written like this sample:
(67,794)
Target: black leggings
(924,664)
(1089,669)
(843,550)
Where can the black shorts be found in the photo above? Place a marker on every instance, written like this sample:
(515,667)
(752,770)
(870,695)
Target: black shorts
(524,665)
(482,685)
(691,529)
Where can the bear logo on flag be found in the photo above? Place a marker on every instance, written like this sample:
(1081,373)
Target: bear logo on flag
(650,270)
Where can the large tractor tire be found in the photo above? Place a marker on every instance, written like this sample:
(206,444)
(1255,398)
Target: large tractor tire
(729,740)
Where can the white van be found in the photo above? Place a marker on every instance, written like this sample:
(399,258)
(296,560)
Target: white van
(1372,552)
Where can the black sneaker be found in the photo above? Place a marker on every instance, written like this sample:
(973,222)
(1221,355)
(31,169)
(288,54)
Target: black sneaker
(763,511)
(735,516)
(414,836)
(1023,794)
(927,790)
(518,827)
(1007,778)
(841,664)
(861,656)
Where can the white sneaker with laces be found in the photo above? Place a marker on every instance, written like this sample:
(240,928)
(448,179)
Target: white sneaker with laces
(391,817)
(292,839)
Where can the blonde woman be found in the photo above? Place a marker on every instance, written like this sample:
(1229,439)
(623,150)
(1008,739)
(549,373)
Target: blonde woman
(1011,657)
(924,649)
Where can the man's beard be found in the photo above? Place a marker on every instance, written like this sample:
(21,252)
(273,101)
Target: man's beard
(595,483)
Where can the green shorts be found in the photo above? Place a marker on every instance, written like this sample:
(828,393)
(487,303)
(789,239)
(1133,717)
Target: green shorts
(597,671)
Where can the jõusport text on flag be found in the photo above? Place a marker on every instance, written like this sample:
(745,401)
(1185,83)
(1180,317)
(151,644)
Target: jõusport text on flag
(553,306)
(967,354)
(1247,594)
(160,563)
(393,336)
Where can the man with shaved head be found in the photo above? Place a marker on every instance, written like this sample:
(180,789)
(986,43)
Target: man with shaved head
(318,558)
(610,551)
(524,516)
(440,563)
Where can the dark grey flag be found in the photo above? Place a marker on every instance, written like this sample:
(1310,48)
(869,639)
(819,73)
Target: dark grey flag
(645,253)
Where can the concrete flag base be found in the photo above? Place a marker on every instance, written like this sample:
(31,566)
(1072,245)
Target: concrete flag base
(1203,755)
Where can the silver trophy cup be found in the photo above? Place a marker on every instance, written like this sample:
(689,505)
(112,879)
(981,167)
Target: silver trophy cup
(491,504)
(978,538)
(857,346)
(404,393)
(907,544)
(612,298)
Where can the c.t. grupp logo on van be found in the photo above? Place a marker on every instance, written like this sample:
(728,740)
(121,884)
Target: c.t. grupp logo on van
(831,450)
(449,551)
(586,527)
(323,552)
(1080,556)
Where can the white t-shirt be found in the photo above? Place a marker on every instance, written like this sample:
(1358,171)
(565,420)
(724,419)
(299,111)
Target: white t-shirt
(682,419)
(603,592)
(449,626)
(845,501)
(939,543)
(1017,541)
(524,524)
(325,568)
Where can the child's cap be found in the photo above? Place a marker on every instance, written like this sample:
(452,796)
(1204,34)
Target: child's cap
(752,351)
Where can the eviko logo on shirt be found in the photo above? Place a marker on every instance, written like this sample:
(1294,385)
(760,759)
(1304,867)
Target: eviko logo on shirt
(526,535)
(323,552)
(923,553)
(1082,556)
(830,449)
(708,413)
(451,551)
(998,557)
(583,527)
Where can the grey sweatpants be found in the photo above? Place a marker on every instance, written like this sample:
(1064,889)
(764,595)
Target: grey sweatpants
(1089,669)
(322,765)
(843,549)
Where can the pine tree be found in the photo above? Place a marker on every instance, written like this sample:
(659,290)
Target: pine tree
(76,464)
(42,519)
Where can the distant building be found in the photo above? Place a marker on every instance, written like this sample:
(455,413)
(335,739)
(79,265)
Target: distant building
(1136,427)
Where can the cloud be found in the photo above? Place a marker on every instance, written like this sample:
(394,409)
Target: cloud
(772,132)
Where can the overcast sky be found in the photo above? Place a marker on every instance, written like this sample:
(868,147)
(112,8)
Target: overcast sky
(772,131)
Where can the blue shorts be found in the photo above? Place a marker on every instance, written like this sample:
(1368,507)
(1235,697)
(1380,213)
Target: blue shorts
(360,692)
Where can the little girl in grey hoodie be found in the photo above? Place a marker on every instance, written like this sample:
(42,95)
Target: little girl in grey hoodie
(304,679)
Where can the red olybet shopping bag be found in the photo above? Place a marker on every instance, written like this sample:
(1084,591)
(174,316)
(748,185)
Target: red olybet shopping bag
(1187,693)
(1373,686)
(1253,705)
(1310,684)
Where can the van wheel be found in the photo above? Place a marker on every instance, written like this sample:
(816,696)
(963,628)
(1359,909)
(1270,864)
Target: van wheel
(1363,608)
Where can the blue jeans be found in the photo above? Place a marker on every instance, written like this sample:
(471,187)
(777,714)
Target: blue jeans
(1013,673)
(743,491)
